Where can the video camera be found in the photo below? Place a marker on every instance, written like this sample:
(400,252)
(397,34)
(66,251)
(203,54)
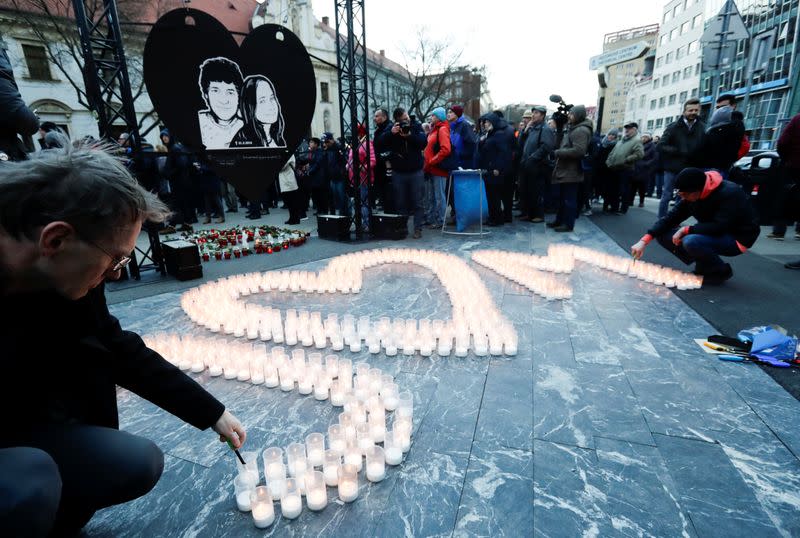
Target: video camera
(561,115)
(405,126)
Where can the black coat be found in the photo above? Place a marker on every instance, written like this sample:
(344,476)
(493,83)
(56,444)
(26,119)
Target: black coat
(726,210)
(15,118)
(721,145)
(64,359)
(407,151)
(679,147)
(646,166)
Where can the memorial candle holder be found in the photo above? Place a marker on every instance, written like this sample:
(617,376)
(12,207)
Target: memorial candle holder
(291,502)
(348,483)
(274,470)
(262,508)
(392,449)
(402,429)
(295,452)
(243,486)
(336,439)
(405,404)
(315,449)
(330,467)
(353,455)
(376,464)
(316,492)
(364,437)
(250,466)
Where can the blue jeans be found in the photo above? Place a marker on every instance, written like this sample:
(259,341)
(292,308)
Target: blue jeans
(364,191)
(440,195)
(407,188)
(567,203)
(428,200)
(340,199)
(667,193)
(705,250)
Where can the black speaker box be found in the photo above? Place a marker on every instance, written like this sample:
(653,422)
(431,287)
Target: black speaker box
(336,227)
(388,226)
(182,259)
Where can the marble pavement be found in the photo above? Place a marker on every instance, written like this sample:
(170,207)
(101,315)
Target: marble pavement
(609,422)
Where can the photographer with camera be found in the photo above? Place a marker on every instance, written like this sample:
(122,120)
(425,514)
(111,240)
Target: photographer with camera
(381,189)
(568,173)
(406,141)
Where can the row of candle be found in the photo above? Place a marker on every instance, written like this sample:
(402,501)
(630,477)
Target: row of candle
(476,323)
(524,269)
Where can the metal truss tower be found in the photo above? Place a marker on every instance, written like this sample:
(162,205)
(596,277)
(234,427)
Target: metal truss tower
(108,89)
(351,54)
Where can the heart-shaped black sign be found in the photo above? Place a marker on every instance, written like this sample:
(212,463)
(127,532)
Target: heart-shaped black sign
(247,108)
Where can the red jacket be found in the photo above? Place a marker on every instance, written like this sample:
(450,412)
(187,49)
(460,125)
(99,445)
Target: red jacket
(440,133)
(744,147)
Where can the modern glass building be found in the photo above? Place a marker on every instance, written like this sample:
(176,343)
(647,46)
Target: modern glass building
(763,66)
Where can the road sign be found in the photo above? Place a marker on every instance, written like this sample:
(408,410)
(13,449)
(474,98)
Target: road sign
(623,54)
(721,36)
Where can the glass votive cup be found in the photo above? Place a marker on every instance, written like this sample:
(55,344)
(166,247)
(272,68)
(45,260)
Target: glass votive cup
(402,429)
(295,452)
(315,449)
(390,393)
(349,426)
(364,436)
(243,485)
(336,439)
(377,426)
(348,483)
(291,503)
(346,373)
(316,492)
(405,404)
(376,464)
(261,506)
(305,382)
(332,365)
(286,375)
(392,450)
(330,467)
(321,386)
(251,464)
(353,455)
(337,394)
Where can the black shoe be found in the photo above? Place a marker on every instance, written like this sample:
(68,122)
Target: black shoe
(792,265)
(562,228)
(553,224)
(254,216)
(718,276)
(290,221)
(232,211)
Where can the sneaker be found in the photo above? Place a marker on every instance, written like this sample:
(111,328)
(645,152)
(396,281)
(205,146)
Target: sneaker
(304,217)
(417,234)
(715,277)
(220,220)
(792,265)
(776,237)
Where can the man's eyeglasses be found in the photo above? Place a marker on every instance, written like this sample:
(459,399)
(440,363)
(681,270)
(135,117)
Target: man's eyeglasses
(119,262)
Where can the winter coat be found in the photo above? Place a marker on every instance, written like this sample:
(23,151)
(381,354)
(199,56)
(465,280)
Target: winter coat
(381,148)
(789,144)
(679,146)
(568,167)
(362,160)
(540,141)
(316,169)
(625,153)
(407,151)
(495,150)
(723,208)
(16,118)
(646,166)
(287,181)
(464,141)
(333,163)
(720,148)
(438,149)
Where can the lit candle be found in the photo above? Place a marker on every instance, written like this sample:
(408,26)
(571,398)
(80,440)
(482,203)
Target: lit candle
(389,393)
(402,431)
(316,494)
(243,485)
(405,404)
(348,483)
(364,435)
(376,464)
(337,394)
(330,467)
(315,448)
(262,508)
(291,503)
(353,455)
(393,453)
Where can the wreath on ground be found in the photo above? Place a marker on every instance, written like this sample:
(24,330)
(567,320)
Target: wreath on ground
(233,243)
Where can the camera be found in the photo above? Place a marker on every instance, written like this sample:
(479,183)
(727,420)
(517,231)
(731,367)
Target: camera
(405,127)
(561,115)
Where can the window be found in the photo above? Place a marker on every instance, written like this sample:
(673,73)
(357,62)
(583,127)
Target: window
(323,92)
(653,104)
(673,34)
(676,77)
(693,46)
(650,125)
(671,99)
(659,61)
(668,120)
(669,58)
(663,40)
(677,10)
(656,83)
(685,27)
(737,75)
(37,62)
(697,21)
(665,80)
(633,104)
(661,102)
(683,97)
(694,92)
(687,72)
(697,69)
(659,123)
(642,101)
(667,16)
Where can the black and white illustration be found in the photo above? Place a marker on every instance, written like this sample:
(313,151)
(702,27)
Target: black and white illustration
(240,112)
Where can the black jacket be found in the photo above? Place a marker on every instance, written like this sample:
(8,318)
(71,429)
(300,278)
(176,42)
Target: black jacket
(406,151)
(679,147)
(333,163)
(725,210)
(495,149)
(646,166)
(721,145)
(380,150)
(64,359)
(15,117)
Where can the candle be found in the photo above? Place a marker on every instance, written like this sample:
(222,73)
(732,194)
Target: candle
(316,494)
(376,466)
(330,467)
(315,447)
(243,501)
(291,507)
(405,404)
(348,483)
(336,438)
(394,455)
(243,485)
(262,508)
(337,394)
(364,435)
(353,456)
(402,431)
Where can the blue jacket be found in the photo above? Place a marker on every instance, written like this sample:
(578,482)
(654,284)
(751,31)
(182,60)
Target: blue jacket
(495,150)
(463,140)
(406,152)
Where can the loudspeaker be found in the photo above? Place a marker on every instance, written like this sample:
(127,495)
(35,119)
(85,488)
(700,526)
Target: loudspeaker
(388,226)
(336,227)
(182,259)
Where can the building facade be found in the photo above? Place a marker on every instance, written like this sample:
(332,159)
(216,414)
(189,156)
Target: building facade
(771,52)
(619,79)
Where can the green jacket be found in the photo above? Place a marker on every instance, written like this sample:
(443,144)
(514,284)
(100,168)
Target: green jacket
(625,153)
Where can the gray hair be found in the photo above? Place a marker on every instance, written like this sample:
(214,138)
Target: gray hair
(88,188)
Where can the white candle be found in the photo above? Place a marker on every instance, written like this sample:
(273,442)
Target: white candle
(291,506)
(315,457)
(338,445)
(317,499)
(394,455)
(331,473)
(376,472)
(243,501)
(215,370)
(263,515)
(348,491)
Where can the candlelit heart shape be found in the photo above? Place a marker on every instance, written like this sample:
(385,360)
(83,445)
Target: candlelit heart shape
(476,322)
(244,108)
(537,273)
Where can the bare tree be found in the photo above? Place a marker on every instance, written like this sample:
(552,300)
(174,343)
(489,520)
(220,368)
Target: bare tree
(52,23)
(432,67)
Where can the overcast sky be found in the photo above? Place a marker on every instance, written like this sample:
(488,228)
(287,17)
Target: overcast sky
(531,48)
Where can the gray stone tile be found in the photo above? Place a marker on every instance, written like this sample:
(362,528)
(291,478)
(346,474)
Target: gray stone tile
(506,411)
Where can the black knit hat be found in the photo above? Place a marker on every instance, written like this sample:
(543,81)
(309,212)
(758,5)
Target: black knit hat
(690,180)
